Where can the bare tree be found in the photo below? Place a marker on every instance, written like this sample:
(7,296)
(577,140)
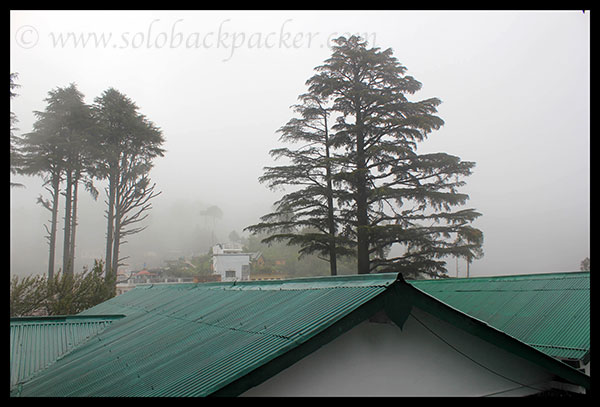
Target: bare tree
(132,205)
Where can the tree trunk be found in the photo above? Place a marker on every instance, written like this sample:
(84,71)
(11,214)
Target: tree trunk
(74,221)
(468,263)
(117,219)
(53,225)
(116,243)
(112,187)
(330,214)
(361,199)
(67,266)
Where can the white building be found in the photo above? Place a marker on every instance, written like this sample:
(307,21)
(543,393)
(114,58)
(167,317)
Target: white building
(231,263)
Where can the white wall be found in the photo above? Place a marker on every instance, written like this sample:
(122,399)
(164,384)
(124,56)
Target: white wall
(375,359)
(224,262)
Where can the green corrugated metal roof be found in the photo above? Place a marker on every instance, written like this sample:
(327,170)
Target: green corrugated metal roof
(223,338)
(37,342)
(192,340)
(550,312)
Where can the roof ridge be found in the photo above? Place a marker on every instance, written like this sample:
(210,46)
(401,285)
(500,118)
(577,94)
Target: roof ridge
(64,318)
(349,280)
(554,275)
(558,347)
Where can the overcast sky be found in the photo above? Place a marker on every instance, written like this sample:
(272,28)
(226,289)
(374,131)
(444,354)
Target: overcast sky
(515,88)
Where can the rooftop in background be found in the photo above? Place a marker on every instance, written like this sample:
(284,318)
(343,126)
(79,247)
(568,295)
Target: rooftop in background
(144,273)
(227,248)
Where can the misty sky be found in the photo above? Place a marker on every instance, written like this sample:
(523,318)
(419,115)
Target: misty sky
(515,88)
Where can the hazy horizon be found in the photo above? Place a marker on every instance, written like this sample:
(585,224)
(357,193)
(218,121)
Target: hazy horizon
(515,88)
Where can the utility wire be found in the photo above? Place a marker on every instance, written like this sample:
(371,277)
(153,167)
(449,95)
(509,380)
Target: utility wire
(473,360)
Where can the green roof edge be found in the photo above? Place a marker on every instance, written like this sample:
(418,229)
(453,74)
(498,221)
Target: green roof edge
(557,274)
(64,318)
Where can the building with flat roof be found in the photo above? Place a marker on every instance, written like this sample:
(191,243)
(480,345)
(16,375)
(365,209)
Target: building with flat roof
(231,263)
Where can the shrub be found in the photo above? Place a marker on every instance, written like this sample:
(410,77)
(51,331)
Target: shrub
(64,294)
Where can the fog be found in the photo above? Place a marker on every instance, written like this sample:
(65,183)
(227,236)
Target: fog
(515,88)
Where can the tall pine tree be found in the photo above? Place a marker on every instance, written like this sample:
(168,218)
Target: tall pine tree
(386,193)
(305,216)
(395,195)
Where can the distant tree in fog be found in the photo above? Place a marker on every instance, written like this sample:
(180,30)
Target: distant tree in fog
(15,156)
(57,150)
(213,212)
(126,143)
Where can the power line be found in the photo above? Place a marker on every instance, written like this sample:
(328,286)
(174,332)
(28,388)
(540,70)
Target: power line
(473,360)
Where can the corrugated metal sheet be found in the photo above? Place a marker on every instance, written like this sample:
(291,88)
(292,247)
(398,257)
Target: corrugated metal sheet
(192,340)
(550,312)
(37,342)
(195,339)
